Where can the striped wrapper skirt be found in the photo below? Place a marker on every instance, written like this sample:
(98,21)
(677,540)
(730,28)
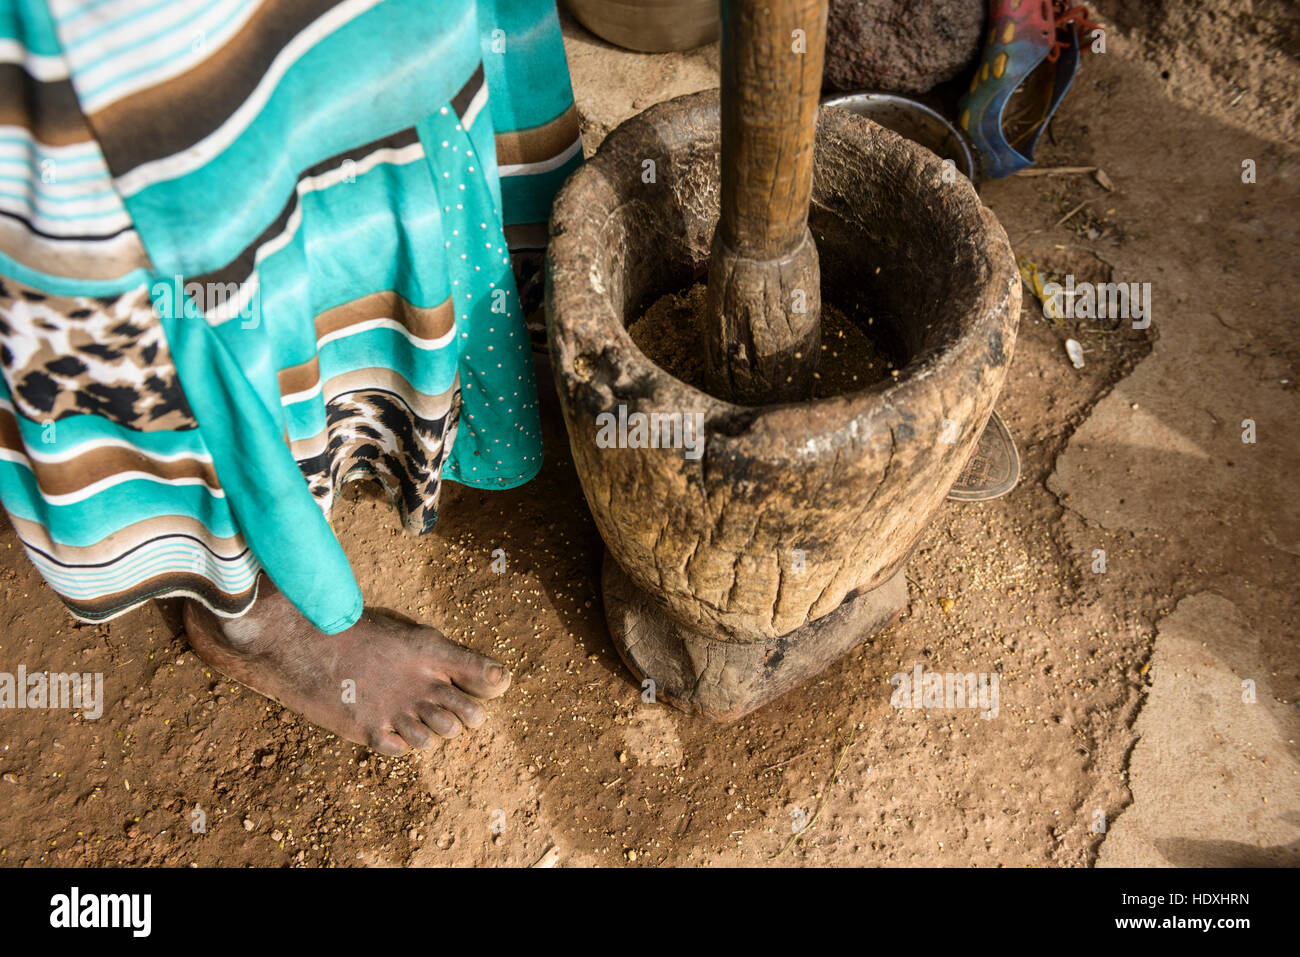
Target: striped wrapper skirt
(252,249)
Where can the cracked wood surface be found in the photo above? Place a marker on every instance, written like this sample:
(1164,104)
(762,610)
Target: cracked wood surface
(724,680)
(851,481)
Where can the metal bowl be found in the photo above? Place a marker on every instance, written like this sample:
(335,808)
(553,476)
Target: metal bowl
(650,26)
(916,121)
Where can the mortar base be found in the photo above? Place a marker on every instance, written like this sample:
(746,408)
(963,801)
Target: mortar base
(725,680)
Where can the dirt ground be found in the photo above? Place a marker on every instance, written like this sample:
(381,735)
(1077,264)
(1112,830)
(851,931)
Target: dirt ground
(1119,690)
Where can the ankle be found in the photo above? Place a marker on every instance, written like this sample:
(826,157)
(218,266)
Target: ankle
(251,629)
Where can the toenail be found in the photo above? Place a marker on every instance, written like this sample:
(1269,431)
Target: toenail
(495,673)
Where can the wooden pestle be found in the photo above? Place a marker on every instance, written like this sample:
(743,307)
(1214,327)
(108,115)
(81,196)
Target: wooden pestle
(763,323)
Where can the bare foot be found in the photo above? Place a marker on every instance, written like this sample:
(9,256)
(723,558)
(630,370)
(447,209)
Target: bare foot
(382,683)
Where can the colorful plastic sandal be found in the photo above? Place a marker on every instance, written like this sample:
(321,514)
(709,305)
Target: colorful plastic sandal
(1024,36)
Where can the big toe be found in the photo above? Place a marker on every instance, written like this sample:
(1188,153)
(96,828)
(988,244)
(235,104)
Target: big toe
(477,674)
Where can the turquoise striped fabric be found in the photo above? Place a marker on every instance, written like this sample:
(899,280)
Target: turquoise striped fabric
(251,250)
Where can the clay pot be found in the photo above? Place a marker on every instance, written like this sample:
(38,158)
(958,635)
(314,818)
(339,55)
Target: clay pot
(650,26)
(742,572)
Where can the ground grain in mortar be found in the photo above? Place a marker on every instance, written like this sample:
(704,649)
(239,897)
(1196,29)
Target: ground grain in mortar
(668,335)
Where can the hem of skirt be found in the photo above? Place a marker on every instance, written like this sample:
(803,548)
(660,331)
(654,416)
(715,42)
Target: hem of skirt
(160,594)
(498,484)
(341,623)
(361,473)
(333,627)
(346,620)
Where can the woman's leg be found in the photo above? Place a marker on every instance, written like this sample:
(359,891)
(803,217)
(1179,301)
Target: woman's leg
(381,683)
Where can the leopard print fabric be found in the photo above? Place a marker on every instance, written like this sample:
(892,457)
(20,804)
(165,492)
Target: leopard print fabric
(374,434)
(65,356)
